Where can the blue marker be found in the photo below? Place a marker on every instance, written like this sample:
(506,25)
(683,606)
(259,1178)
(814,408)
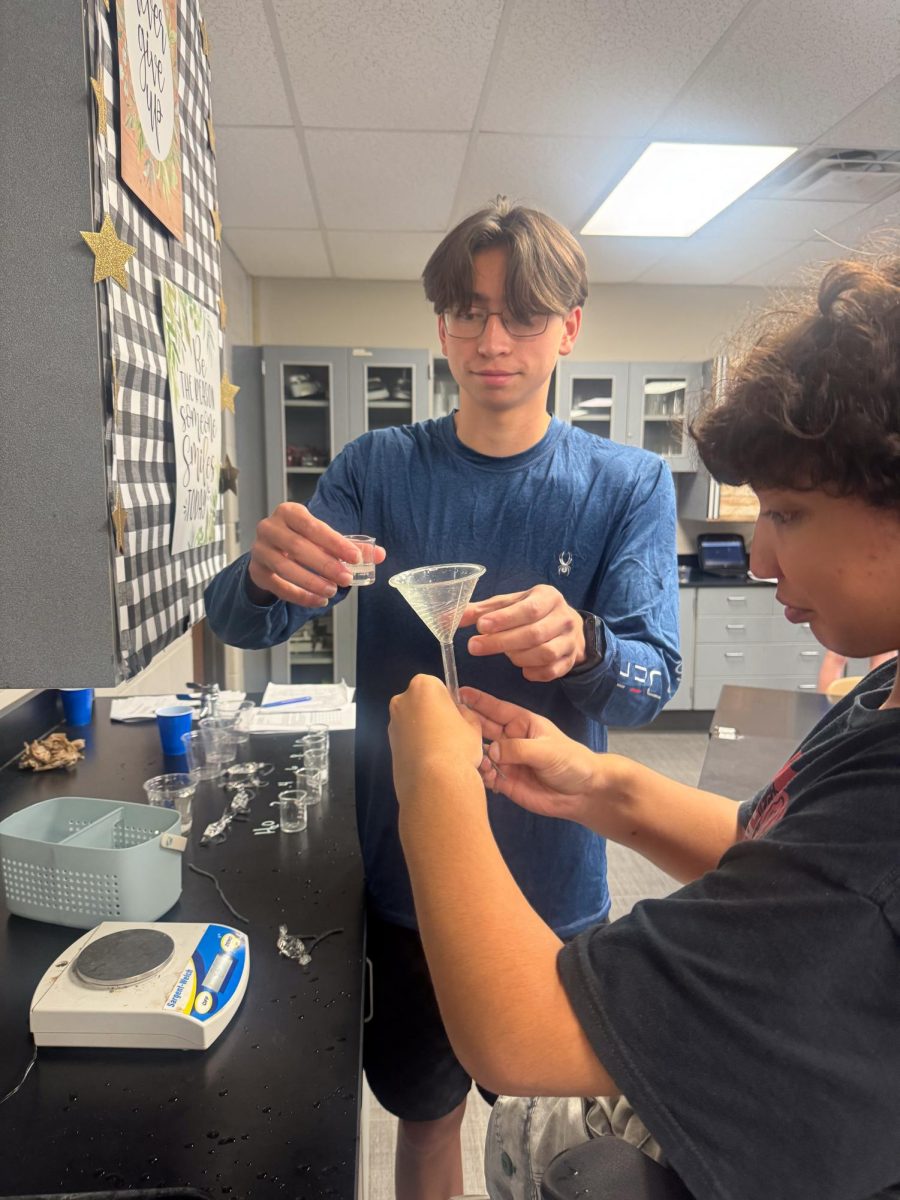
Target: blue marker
(278,703)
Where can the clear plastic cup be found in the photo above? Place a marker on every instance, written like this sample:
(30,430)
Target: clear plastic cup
(292,810)
(239,717)
(173,791)
(221,742)
(205,749)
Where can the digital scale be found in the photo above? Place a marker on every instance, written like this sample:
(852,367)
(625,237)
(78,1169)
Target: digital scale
(166,986)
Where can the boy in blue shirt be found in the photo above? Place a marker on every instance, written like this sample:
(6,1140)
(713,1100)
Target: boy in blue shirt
(579,619)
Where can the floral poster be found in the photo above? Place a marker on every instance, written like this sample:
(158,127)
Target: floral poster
(149,132)
(192,356)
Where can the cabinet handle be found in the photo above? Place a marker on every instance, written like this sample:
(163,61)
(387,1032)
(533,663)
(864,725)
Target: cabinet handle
(809,654)
(735,626)
(734,654)
(736,599)
(807,687)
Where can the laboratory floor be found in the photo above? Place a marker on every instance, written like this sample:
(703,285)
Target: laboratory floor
(631,878)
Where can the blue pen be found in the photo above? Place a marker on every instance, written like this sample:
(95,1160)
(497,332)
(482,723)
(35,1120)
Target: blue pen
(278,703)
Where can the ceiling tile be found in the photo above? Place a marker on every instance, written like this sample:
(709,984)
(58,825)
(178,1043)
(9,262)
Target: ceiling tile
(789,72)
(381,255)
(800,266)
(575,67)
(246,82)
(564,176)
(262,182)
(387,64)
(280,252)
(714,260)
(874,126)
(779,220)
(623,259)
(876,228)
(385,180)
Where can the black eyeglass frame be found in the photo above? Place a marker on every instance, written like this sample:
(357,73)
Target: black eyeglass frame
(468,337)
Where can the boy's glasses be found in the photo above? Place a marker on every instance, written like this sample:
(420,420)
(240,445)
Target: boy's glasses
(472,323)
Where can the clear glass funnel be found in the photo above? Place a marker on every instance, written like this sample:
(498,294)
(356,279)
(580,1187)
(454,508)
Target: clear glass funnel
(439,595)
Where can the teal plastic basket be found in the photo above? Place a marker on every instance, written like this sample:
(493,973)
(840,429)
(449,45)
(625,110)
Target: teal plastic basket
(77,861)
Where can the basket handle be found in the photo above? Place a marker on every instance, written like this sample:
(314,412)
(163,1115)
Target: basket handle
(173,841)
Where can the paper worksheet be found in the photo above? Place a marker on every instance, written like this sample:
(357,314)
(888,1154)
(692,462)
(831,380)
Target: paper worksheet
(292,707)
(143,708)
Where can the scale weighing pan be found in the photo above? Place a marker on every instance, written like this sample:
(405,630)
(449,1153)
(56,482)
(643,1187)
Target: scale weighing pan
(165,986)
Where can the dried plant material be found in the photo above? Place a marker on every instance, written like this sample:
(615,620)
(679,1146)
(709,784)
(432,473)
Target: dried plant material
(48,753)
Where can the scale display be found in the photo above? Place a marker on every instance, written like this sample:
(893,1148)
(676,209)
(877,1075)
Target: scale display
(167,986)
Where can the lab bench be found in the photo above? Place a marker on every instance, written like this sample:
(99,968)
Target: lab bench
(272,1108)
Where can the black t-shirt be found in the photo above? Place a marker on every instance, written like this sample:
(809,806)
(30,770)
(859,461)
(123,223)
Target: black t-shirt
(753,1018)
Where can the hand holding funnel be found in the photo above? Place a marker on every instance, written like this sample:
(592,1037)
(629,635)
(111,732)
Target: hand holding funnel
(439,596)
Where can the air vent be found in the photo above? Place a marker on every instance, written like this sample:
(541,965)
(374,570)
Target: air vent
(859,176)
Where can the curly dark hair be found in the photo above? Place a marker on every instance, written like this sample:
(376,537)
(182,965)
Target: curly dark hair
(815,402)
(546,272)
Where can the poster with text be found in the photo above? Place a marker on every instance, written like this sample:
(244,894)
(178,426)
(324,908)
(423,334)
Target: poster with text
(192,356)
(149,134)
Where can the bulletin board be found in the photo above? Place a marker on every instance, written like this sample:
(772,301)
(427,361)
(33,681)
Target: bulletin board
(158,594)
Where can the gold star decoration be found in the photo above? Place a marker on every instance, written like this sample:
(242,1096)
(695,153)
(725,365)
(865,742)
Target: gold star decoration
(228,474)
(204,38)
(110,253)
(229,391)
(119,520)
(223,312)
(217,221)
(100,97)
(212,134)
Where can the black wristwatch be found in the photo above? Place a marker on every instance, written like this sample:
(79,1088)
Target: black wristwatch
(594,642)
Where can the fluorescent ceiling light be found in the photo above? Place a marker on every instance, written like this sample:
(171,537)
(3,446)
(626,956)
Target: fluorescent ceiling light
(675,187)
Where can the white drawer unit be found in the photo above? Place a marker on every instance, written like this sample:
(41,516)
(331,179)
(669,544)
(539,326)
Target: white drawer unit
(742,637)
(706,691)
(687,621)
(729,601)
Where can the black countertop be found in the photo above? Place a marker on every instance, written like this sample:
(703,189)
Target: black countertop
(694,577)
(271,1109)
(754,732)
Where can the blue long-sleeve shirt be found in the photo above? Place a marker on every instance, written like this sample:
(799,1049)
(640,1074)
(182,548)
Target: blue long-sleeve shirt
(590,517)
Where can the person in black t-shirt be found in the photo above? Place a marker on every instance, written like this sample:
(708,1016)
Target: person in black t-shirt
(752,1019)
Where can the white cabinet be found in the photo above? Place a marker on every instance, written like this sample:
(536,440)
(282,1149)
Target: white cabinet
(640,404)
(742,637)
(687,620)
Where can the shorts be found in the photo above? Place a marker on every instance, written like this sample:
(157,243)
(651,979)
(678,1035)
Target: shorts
(407,1056)
(525,1134)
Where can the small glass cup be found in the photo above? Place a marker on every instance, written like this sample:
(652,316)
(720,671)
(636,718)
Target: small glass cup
(313,750)
(173,791)
(310,780)
(362,572)
(292,810)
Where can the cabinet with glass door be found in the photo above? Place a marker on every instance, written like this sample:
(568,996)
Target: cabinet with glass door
(662,397)
(594,397)
(305,426)
(387,387)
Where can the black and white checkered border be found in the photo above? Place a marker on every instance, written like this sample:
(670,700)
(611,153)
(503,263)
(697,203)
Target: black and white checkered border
(158,595)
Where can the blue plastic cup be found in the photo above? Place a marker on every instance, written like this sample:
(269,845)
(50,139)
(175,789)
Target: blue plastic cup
(78,704)
(173,722)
